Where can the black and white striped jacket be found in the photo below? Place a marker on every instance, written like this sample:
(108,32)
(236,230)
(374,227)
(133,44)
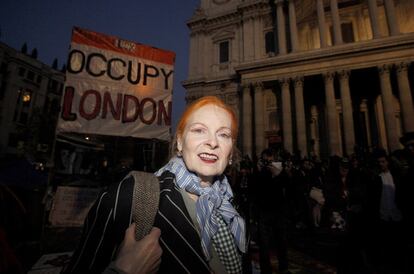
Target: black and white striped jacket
(111,215)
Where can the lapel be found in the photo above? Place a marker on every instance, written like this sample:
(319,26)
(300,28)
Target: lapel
(179,238)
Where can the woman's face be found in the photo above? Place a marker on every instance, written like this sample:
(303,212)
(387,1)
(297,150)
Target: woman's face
(206,142)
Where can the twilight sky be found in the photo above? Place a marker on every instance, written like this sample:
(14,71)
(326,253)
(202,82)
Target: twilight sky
(47,25)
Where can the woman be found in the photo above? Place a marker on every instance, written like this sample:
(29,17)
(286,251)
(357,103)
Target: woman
(201,232)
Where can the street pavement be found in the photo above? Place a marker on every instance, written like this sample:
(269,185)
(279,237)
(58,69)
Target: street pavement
(308,253)
(299,263)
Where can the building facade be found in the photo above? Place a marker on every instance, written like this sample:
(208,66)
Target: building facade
(315,77)
(30,93)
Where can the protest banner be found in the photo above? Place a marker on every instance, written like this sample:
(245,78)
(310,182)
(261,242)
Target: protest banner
(71,205)
(117,87)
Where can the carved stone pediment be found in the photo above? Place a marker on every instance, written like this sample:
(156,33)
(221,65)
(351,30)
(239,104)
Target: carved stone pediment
(223,35)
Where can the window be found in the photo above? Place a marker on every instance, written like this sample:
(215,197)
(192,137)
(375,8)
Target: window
(30,75)
(53,85)
(55,106)
(2,89)
(13,140)
(270,42)
(26,97)
(22,72)
(24,117)
(347,33)
(21,112)
(39,79)
(224,52)
(3,68)
(16,110)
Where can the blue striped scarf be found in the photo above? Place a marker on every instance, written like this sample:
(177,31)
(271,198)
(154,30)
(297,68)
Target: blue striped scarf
(212,200)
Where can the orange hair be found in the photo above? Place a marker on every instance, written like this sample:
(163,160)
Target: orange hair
(203,101)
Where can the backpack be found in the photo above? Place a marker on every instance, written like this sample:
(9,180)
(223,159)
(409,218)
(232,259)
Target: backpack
(145,202)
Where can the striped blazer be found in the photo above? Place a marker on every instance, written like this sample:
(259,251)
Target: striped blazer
(111,215)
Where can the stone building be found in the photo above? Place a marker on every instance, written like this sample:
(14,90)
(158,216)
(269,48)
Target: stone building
(30,94)
(317,77)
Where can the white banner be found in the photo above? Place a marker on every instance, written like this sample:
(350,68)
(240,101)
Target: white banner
(117,87)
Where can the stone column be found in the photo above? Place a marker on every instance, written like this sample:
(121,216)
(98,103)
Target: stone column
(247,121)
(240,33)
(208,51)
(259,116)
(321,22)
(388,105)
(293,26)
(406,99)
(259,39)
(391,19)
(314,130)
(281,32)
(373,17)
(248,38)
(347,111)
(300,117)
(333,128)
(336,23)
(201,48)
(193,55)
(287,116)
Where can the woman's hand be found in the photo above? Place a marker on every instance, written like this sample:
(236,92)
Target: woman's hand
(142,256)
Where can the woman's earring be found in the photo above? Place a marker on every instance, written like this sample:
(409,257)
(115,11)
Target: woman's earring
(230,161)
(179,148)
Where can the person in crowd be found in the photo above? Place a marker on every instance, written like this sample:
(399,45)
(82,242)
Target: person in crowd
(196,226)
(405,161)
(337,187)
(405,158)
(384,205)
(407,140)
(316,200)
(297,187)
(271,205)
(243,201)
(242,188)
(345,197)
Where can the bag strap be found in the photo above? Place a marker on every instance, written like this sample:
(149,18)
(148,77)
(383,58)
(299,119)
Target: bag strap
(145,202)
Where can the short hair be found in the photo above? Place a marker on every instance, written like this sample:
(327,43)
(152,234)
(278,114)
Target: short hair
(266,152)
(379,153)
(204,101)
(344,163)
(408,136)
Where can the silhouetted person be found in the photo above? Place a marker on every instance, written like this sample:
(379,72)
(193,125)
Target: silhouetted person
(271,205)
(386,215)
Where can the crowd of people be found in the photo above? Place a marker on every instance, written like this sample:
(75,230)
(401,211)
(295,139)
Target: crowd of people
(364,199)
(209,203)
